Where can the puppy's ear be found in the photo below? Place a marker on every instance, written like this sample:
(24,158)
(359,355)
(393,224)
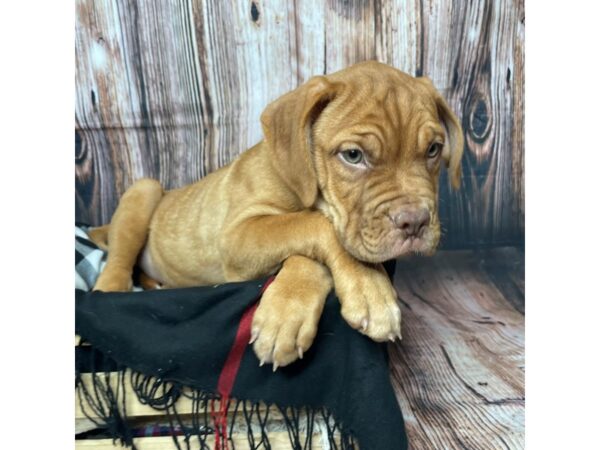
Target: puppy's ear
(453,148)
(287,125)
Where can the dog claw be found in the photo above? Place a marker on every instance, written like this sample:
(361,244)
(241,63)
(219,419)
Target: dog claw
(364,325)
(300,353)
(254,336)
(391,337)
(275,366)
(262,363)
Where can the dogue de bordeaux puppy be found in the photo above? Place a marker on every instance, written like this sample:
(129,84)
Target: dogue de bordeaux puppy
(345,178)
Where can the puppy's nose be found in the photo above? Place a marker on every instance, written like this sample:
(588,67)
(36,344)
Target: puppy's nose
(412,221)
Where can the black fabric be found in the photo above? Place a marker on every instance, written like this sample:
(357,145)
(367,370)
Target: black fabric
(184,336)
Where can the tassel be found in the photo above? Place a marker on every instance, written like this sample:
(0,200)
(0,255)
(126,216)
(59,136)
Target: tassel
(220,423)
(229,373)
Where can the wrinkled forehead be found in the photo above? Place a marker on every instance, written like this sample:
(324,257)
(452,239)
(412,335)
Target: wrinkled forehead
(394,107)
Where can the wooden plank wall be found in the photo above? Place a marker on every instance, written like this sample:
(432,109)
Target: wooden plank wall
(174,89)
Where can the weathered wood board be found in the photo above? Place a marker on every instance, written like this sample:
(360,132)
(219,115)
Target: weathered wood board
(174,89)
(459,371)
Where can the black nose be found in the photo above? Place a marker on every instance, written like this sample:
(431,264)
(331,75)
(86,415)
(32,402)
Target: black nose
(412,221)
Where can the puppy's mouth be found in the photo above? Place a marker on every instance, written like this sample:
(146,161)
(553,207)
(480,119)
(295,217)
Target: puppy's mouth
(396,245)
(412,244)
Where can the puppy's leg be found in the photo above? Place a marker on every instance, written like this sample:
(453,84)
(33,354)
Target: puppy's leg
(99,236)
(286,320)
(148,283)
(258,245)
(127,234)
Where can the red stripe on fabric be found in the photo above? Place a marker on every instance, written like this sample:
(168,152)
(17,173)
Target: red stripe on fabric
(234,359)
(230,370)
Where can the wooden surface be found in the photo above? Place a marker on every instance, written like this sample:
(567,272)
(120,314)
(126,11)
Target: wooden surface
(279,441)
(174,89)
(459,371)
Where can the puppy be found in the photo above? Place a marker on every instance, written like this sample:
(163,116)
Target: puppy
(345,178)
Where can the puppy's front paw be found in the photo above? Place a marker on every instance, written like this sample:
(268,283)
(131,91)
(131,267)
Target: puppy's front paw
(369,303)
(113,281)
(285,323)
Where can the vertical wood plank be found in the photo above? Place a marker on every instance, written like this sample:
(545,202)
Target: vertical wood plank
(517,78)
(482,213)
(398,32)
(138,106)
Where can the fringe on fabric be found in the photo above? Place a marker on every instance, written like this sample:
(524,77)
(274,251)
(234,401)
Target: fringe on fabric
(102,399)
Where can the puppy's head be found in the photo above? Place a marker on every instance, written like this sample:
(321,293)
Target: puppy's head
(365,146)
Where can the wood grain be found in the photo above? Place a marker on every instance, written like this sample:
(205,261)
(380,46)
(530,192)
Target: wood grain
(174,90)
(459,371)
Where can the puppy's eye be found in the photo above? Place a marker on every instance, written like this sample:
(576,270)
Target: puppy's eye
(353,156)
(434,150)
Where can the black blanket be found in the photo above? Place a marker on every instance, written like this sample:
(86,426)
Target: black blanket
(197,338)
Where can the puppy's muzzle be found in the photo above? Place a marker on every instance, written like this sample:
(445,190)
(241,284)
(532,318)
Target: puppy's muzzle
(411,221)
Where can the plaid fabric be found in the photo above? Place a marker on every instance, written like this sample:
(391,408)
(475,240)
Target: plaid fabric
(89,259)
